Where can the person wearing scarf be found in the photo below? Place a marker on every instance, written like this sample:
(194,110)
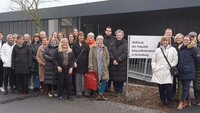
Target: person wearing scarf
(41,64)
(98,62)
(90,39)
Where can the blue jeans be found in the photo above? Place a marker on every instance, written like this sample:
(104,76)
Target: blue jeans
(36,81)
(186,89)
(102,87)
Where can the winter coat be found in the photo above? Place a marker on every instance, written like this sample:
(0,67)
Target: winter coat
(160,67)
(93,64)
(34,49)
(197,76)
(59,58)
(6,54)
(188,58)
(82,61)
(50,67)
(118,51)
(40,60)
(108,40)
(21,59)
(1,63)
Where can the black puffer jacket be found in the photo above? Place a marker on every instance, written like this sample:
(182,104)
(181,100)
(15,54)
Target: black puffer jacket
(50,66)
(118,52)
(21,59)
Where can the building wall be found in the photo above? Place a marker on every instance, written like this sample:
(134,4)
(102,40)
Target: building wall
(21,27)
(146,23)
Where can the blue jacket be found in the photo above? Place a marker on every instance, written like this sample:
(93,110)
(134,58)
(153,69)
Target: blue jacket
(188,58)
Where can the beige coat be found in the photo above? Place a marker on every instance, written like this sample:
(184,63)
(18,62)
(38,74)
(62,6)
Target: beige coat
(40,60)
(93,61)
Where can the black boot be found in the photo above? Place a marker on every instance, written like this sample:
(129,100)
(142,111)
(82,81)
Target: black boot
(70,98)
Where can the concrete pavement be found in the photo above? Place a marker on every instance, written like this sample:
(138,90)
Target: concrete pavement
(39,103)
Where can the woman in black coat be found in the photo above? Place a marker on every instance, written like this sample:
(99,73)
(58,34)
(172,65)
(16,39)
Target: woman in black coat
(34,70)
(64,64)
(21,63)
(118,61)
(81,53)
(50,68)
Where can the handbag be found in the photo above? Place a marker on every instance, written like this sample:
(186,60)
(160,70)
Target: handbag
(173,69)
(91,81)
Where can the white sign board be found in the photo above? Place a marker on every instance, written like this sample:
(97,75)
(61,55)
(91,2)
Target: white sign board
(142,46)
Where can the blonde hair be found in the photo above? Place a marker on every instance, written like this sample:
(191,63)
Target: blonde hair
(179,35)
(60,48)
(164,38)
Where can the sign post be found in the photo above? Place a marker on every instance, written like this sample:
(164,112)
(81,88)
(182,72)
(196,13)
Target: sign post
(140,46)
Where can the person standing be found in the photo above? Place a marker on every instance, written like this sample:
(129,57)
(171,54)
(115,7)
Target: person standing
(108,39)
(118,61)
(90,39)
(41,63)
(98,63)
(177,90)
(50,67)
(6,56)
(64,63)
(161,70)
(21,63)
(188,59)
(196,82)
(42,35)
(34,70)
(1,64)
(81,53)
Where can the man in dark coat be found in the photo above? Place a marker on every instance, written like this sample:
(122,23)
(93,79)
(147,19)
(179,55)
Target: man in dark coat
(118,61)
(21,63)
(108,39)
(81,53)
(1,64)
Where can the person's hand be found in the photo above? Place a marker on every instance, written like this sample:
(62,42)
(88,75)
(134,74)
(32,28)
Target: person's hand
(70,70)
(43,63)
(59,69)
(115,62)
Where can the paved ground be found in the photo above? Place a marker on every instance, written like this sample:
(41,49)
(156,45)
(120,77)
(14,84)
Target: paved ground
(38,103)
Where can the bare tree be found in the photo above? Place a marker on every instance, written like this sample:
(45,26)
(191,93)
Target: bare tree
(31,9)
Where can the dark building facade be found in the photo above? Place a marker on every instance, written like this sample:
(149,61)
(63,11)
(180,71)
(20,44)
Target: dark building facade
(139,17)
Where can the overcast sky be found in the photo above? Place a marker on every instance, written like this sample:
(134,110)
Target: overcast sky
(5,4)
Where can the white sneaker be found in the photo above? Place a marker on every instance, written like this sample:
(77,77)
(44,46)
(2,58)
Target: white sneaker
(2,89)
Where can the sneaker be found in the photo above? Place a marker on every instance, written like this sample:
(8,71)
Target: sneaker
(50,94)
(70,98)
(2,89)
(55,93)
(5,92)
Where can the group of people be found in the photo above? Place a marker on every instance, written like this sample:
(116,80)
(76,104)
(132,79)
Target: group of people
(57,65)
(184,53)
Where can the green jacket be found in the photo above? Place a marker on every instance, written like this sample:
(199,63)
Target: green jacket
(93,61)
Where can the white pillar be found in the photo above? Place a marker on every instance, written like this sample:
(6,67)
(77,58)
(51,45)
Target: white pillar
(53,26)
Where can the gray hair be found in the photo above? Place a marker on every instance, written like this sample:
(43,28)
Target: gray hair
(91,34)
(119,31)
